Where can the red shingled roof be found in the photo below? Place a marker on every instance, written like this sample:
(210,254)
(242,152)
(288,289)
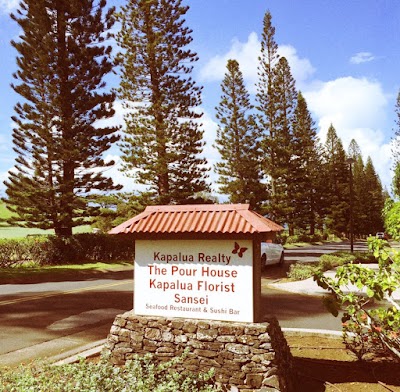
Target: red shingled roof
(205,219)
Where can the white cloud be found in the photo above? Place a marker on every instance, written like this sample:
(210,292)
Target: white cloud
(7,6)
(348,103)
(117,119)
(301,68)
(362,57)
(3,177)
(355,106)
(247,55)
(357,109)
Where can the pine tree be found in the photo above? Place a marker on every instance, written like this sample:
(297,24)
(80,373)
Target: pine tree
(62,61)
(237,142)
(359,191)
(396,150)
(163,140)
(305,165)
(375,200)
(337,182)
(279,144)
(266,104)
(396,180)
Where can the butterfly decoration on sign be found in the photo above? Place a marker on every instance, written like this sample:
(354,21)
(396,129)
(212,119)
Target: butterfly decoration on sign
(238,250)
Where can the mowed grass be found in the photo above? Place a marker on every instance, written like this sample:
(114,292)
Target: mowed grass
(7,231)
(4,212)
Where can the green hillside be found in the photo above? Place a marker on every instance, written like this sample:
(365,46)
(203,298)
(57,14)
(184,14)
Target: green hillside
(7,231)
(4,212)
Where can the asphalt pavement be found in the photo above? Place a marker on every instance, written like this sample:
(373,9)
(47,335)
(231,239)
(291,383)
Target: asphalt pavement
(59,319)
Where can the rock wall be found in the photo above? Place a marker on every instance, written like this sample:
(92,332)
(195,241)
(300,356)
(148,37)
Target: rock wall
(248,356)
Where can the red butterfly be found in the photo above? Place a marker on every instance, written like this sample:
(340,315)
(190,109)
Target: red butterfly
(237,249)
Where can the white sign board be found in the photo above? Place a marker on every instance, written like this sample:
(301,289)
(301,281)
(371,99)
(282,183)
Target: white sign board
(205,279)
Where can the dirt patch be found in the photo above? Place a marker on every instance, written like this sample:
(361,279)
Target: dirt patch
(324,364)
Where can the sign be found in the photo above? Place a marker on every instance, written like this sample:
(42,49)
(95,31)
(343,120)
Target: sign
(206,279)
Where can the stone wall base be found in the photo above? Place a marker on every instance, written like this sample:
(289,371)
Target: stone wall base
(245,356)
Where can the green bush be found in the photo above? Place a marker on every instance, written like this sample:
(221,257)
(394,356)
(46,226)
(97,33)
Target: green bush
(79,248)
(138,375)
(327,262)
(303,238)
(333,260)
(301,271)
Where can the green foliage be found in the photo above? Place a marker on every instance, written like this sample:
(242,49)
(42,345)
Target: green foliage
(278,144)
(333,260)
(365,329)
(391,213)
(119,207)
(80,248)
(396,150)
(301,271)
(337,183)
(163,138)
(237,142)
(305,170)
(138,375)
(292,239)
(62,62)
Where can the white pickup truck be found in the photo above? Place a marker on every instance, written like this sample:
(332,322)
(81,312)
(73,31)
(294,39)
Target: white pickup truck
(271,254)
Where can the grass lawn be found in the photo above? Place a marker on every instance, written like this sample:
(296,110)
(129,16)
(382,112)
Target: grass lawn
(4,212)
(7,231)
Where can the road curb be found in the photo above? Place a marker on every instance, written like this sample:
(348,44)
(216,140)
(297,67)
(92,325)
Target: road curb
(312,332)
(73,356)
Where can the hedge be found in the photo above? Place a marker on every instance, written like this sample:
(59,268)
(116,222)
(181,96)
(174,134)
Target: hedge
(79,248)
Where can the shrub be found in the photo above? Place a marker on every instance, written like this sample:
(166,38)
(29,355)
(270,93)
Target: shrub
(138,375)
(301,271)
(337,259)
(303,238)
(80,248)
(367,329)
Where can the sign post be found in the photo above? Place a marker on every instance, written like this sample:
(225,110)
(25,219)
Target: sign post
(198,261)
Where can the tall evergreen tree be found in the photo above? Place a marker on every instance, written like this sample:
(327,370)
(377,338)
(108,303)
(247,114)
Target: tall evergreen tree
(337,182)
(360,196)
(279,143)
(304,188)
(237,142)
(396,149)
(163,139)
(266,104)
(396,180)
(375,200)
(62,61)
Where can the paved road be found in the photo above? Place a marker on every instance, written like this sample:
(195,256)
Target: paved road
(81,310)
(312,253)
(297,310)
(77,311)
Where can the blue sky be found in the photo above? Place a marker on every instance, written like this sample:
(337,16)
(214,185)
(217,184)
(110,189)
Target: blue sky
(344,55)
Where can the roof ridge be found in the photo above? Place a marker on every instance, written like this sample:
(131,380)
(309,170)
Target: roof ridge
(198,207)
